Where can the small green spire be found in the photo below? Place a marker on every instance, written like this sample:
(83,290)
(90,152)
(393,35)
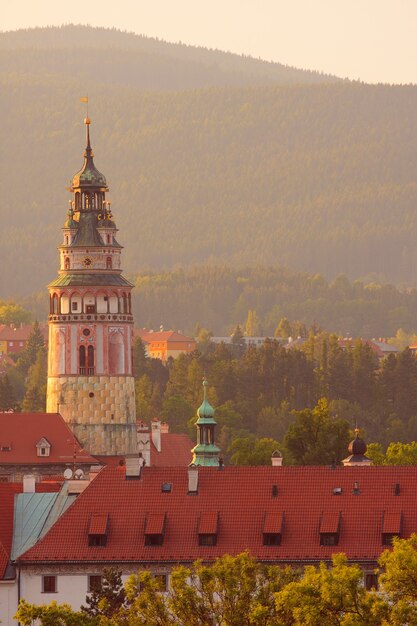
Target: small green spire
(205,452)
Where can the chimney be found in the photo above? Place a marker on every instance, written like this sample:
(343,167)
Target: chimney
(193,479)
(156,433)
(144,442)
(29,482)
(276,458)
(164,428)
(133,467)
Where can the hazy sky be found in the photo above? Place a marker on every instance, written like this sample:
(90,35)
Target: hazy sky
(370,40)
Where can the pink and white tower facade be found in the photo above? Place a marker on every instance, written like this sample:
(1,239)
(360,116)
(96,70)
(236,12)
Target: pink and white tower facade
(90,378)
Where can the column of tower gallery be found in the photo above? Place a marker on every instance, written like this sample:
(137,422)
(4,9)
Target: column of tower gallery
(90,377)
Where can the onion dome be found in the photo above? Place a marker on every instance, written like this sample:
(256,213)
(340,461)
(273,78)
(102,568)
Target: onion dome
(88,176)
(70,222)
(205,411)
(357,446)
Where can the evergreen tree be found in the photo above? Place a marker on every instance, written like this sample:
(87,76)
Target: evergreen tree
(107,598)
(7,394)
(35,396)
(28,356)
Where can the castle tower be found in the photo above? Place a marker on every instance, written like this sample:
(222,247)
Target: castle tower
(205,452)
(90,379)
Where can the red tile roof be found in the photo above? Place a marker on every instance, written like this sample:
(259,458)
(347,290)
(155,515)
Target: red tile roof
(330,522)
(155,523)
(164,335)
(98,524)
(175,451)
(392,523)
(243,496)
(273,523)
(208,523)
(22,431)
(21,333)
(7,494)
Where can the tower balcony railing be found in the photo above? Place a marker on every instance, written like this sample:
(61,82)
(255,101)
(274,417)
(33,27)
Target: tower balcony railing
(89,317)
(83,371)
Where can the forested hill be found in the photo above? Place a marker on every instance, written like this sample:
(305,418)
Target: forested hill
(317,177)
(116,57)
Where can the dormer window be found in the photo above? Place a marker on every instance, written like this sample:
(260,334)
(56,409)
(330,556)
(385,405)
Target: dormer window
(155,529)
(98,530)
(330,528)
(272,529)
(391,527)
(207,529)
(43,447)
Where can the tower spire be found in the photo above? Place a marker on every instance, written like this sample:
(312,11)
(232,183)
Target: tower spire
(205,452)
(88,150)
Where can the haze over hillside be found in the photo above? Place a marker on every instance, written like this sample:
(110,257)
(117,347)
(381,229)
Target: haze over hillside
(211,158)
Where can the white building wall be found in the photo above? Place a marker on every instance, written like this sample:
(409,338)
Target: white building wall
(71,588)
(8,602)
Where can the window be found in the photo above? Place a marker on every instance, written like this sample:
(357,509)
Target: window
(162,580)
(21,344)
(11,344)
(90,359)
(82,360)
(97,540)
(43,452)
(207,540)
(74,306)
(94,583)
(371,581)
(49,584)
(272,539)
(387,538)
(154,540)
(329,539)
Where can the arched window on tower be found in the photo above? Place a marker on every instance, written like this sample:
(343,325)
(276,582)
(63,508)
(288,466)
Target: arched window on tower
(54,304)
(124,303)
(67,263)
(129,299)
(90,360)
(109,263)
(82,360)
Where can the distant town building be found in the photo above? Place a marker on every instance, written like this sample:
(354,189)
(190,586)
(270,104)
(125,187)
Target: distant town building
(13,339)
(380,347)
(164,344)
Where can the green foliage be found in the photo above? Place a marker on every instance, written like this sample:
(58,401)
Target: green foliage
(252,451)
(315,438)
(399,580)
(35,396)
(11,313)
(108,598)
(52,615)
(28,356)
(330,597)
(7,394)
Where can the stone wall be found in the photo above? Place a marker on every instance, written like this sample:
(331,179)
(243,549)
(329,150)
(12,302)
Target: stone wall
(100,411)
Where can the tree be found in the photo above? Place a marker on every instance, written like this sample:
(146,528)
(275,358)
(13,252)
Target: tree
(283,329)
(109,597)
(399,580)
(52,615)
(234,591)
(252,326)
(7,394)
(252,451)
(330,597)
(28,356)
(238,344)
(315,438)
(11,313)
(35,396)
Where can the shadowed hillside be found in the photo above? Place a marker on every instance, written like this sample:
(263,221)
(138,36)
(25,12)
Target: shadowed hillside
(318,177)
